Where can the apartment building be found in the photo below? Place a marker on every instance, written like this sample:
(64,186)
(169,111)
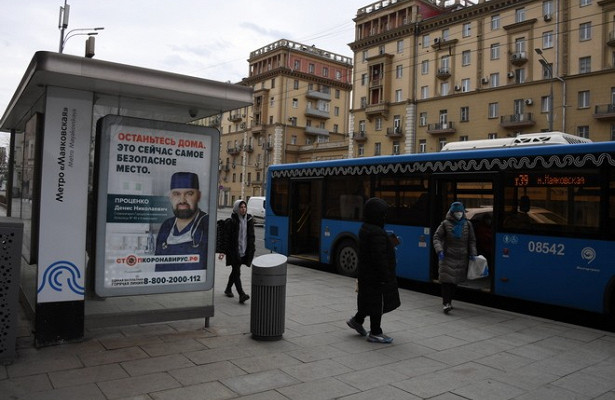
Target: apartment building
(300,113)
(428,73)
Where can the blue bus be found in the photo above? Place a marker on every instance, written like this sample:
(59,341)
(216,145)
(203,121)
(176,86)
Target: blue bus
(561,253)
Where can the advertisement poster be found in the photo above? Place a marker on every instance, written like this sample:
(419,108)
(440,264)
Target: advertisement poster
(64,194)
(156,192)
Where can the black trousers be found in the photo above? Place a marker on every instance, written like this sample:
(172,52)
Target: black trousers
(235,277)
(448,292)
(375,319)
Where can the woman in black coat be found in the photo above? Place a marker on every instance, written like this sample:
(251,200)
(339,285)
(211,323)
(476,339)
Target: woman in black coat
(378,292)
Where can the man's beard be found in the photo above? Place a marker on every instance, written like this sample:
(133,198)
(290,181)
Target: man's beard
(184,213)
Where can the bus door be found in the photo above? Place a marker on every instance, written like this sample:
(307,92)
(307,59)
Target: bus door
(305,216)
(478,193)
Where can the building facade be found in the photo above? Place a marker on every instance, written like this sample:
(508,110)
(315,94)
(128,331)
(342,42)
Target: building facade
(426,73)
(300,113)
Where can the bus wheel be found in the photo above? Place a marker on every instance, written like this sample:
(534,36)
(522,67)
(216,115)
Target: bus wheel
(347,258)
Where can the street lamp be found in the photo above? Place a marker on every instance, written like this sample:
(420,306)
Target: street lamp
(543,61)
(70,34)
(63,24)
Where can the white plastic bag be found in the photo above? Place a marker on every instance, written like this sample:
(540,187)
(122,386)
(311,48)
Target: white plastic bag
(478,268)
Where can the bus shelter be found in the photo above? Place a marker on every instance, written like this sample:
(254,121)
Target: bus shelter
(98,151)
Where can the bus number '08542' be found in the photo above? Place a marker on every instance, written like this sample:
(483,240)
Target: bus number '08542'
(556,249)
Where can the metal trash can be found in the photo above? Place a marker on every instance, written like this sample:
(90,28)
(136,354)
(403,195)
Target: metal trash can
(11,234)
(268,301)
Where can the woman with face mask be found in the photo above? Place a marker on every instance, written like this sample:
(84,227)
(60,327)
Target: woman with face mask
(455,244)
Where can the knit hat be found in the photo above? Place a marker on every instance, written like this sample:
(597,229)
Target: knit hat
(457,206)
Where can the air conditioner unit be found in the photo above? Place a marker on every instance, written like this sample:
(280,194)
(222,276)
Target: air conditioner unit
(485,80)
(529,102)
(242,125)
(515,56)
(547,17)
(457,88)
(511,74)
(437,40)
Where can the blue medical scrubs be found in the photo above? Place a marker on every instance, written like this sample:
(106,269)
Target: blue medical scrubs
(191,240)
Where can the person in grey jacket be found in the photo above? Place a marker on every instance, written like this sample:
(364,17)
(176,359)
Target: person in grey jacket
(455,243)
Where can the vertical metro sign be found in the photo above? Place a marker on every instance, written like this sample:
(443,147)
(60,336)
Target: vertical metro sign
(157,187)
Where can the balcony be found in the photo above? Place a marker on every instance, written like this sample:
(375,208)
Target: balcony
(316,113)
(233,150)
(443,73)
(519,58)
(235,117)
(517,121)
(312,130)
(318,95)
(248,148)
(394,132)
(611,40)
(224,167)
(268,146)
(605,112)
(375,82)
(375,110)
(360,136)
(257,129)
(441,128)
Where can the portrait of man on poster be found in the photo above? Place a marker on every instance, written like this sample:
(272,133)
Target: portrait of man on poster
(184,234)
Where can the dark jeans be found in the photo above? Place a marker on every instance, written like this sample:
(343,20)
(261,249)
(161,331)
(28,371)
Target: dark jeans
(448,292)
(235,277)
(374,321)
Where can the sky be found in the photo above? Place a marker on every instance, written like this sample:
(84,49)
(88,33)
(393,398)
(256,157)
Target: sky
(206,39)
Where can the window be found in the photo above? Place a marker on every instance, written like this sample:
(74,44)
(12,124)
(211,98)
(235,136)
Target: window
(492,136)
(395,147)
(583,99)
(360,150)
(325,72)
(422,146)
(295,103)
(547,40)
(493,110)
(583,131)
(338,75)
(377,149)
(584,3)
(446,33)
(296,84)
(363,102)
(495,51)
(424,92)
(400,46)
(311,68)
(272,101)
(337,93)
(378,124)
(465,30)
(424,67)
(293,121)
(445,64)
(464,114)
(399,71)
(423,119)
(297,66)
(441,143)
(364,56)
(545,104)
(495,22)
(547,7)
(546,70)
(520,44)
(465,85)
(362,126)
(335,128)
(520,15)
(426,41)
(585,65)
(336,111)
(465,57)
(519,75)
(273,83)
(494,79)
(381,50)
(445,88)
(363,79)
(585,31)
(398,95)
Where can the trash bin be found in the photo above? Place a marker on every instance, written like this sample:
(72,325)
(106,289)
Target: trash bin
(268,302)
(11,233)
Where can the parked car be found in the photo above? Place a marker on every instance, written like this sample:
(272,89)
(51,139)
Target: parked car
(256,207)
